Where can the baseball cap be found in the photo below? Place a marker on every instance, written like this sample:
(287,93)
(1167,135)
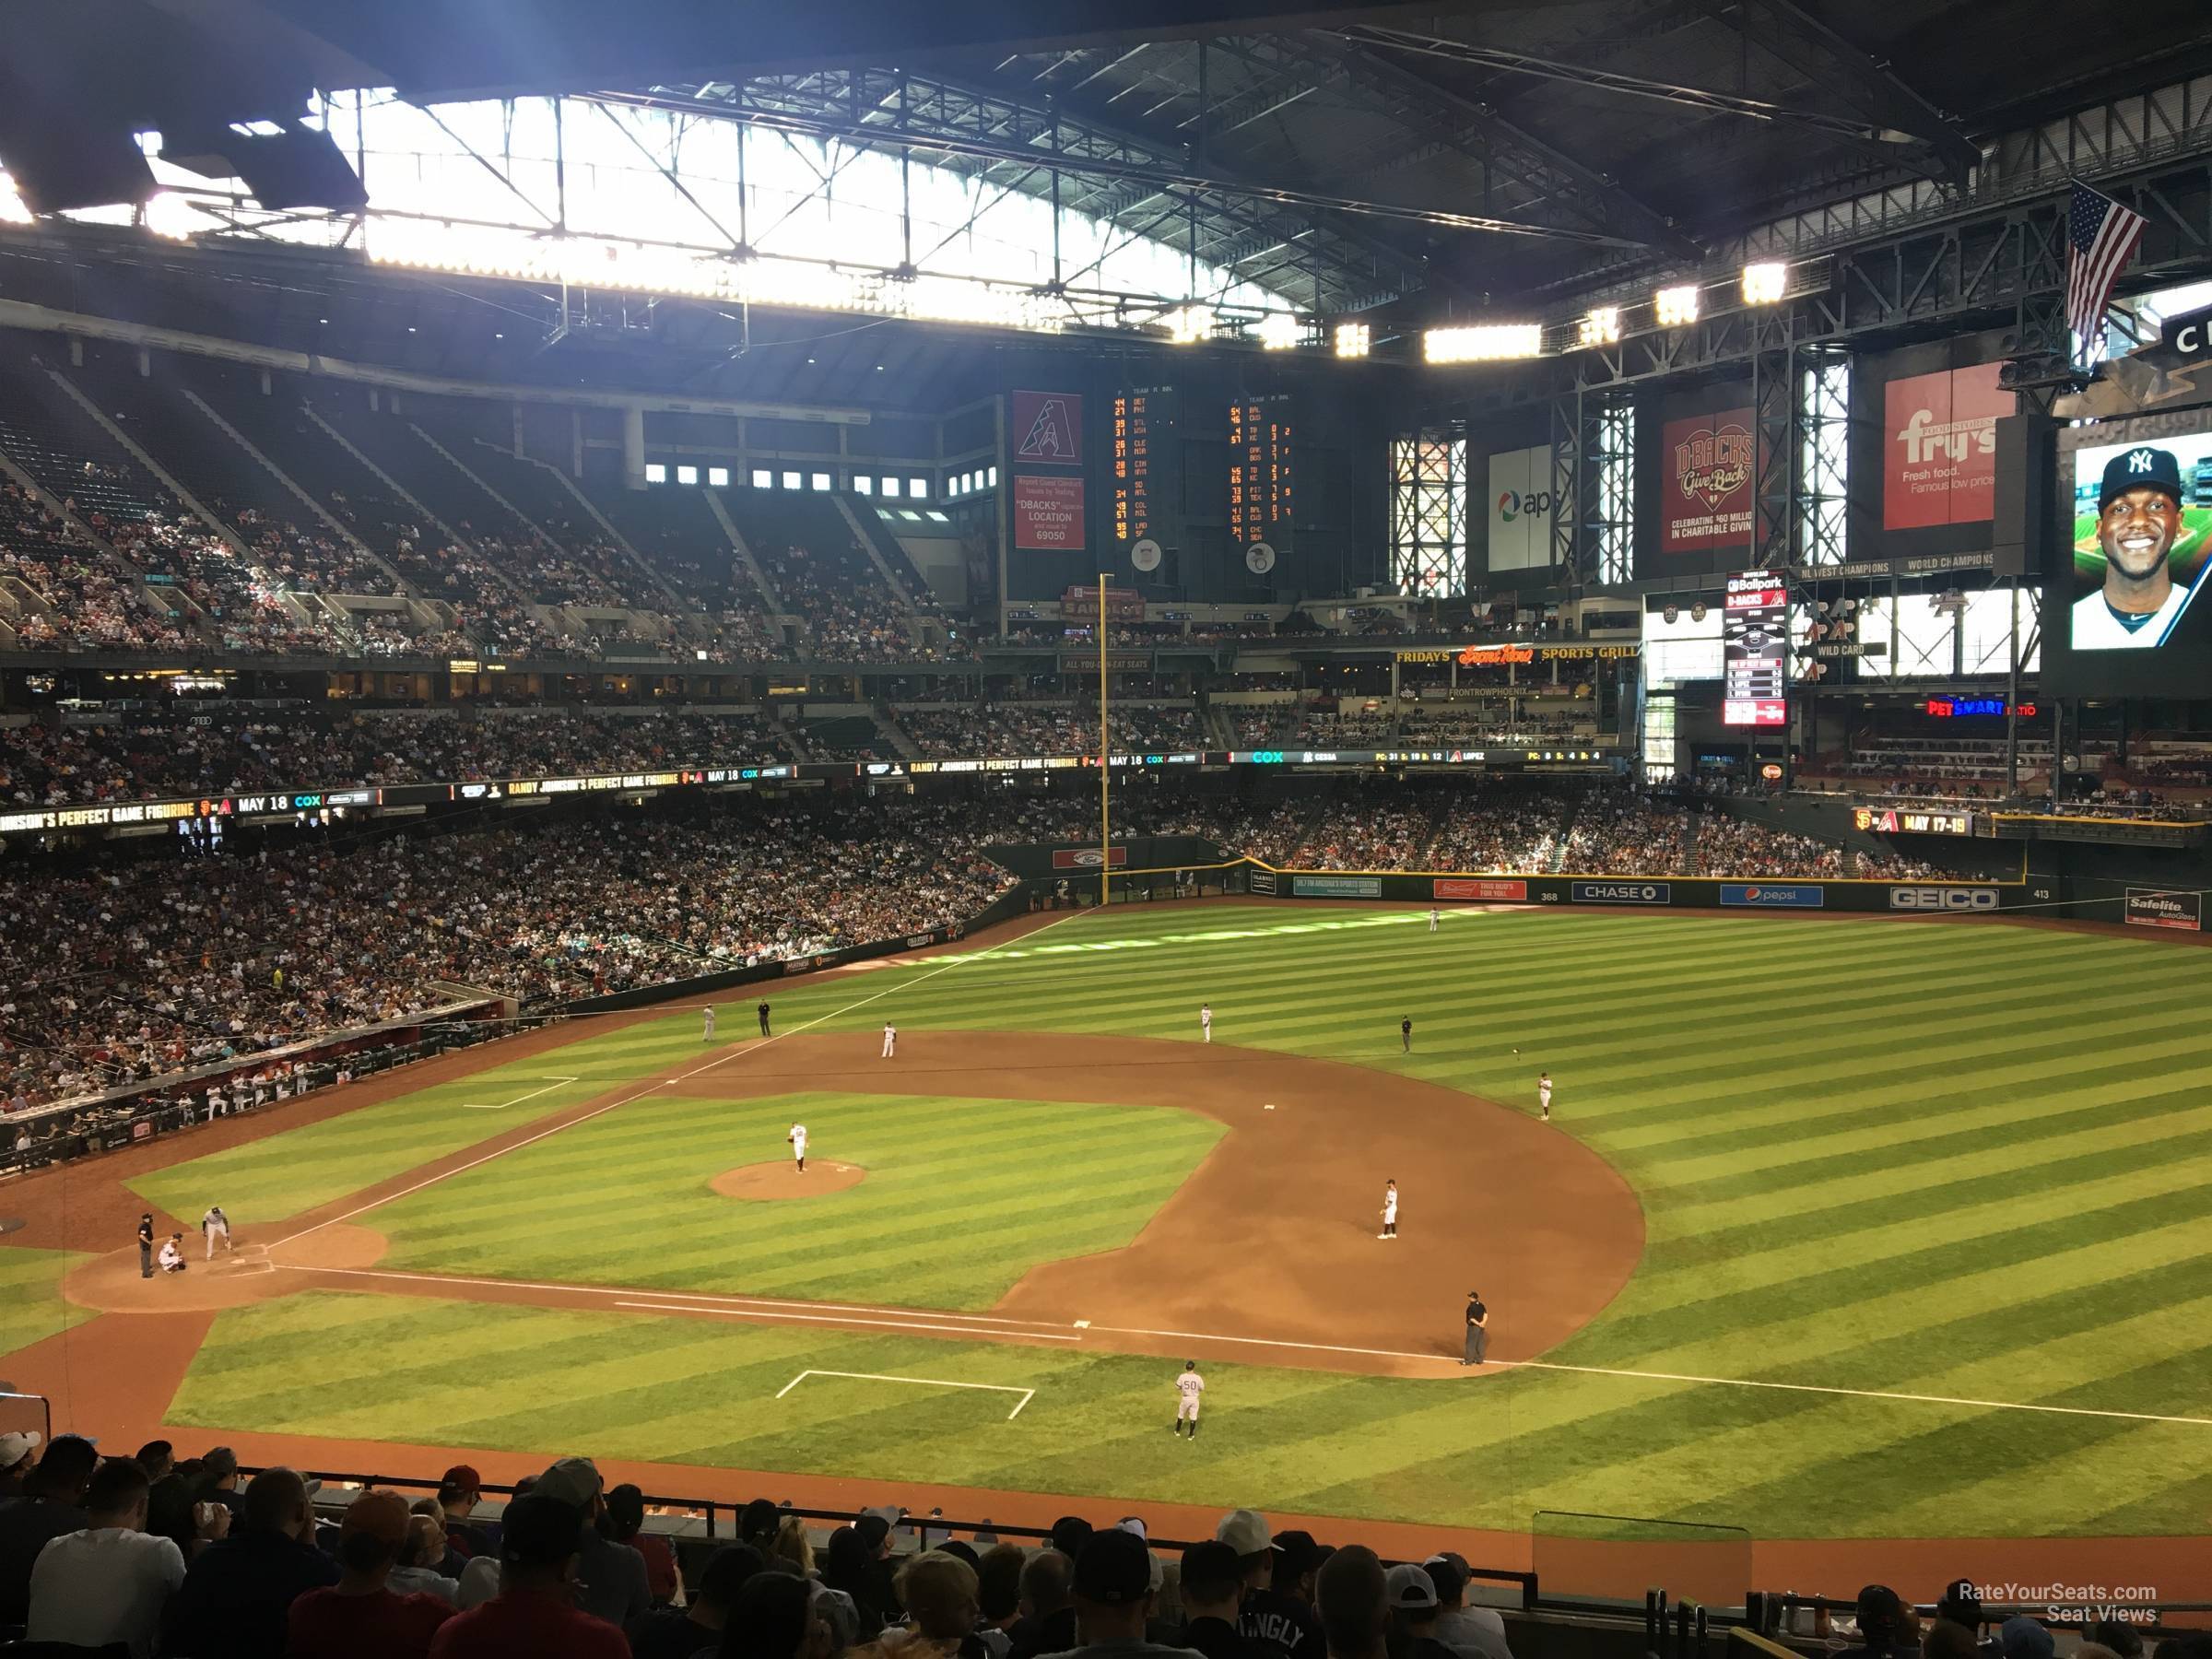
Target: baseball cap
(379,1515)
(16,1447)
(1879,1610)
(2146,466)
(571,1480)
(2024,1638)
(1070,1533)
(1210,1569)
(1296,1552)
(1244,1531)
(461,1478)
(1407,1588)
(1134,1524)
(1960,1604)
(1114,1569)
(538,1530)
(1448,1573)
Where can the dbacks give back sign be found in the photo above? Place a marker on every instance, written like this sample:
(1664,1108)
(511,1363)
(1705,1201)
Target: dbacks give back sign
(1705,493)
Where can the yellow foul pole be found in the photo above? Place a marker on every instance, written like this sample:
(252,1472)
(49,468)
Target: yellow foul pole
(1105,771)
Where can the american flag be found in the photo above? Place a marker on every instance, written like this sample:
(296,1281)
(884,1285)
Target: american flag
(2101,237)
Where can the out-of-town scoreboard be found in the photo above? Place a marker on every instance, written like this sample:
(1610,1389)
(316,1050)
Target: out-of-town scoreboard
(1261,471)
(1147,472)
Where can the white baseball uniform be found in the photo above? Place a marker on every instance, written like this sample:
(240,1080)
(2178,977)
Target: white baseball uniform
(1206,1021)
(216,1225)
(798,1145)
(1188,1387)
(708,1036)
(1390,1209)
(890,1040)
(1543,1094)
(1432,920)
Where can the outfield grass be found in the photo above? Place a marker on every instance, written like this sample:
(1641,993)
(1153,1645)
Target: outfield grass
(31,1307)
(1959,1160)
(962,1197)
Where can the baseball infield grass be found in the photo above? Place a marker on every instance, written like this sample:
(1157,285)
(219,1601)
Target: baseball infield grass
(1943,1160)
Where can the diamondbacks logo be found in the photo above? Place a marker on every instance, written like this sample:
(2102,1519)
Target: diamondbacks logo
(1051,434)
(1711,465)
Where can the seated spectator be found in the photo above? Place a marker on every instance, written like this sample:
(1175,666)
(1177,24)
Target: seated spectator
(110,1583)
(1881,1618)
(1413,1609)
(775,1618)
(535,1611)
(848,1566)
(1351,1597)
(18,1450)
(51,1505)
(998,1594)
(1278,1625)
(680,1632)
(792,1544)
(215,1479)
(361,1617)
(1213,1590)
(1114,1597)
(1047,1624)
(624,1523)
(937,1590)
(1471,1632)
(459,1492)
(420,1569)
(237,1595)
(156,1458)
(610,1577)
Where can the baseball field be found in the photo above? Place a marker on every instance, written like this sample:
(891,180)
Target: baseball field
(1840,1229)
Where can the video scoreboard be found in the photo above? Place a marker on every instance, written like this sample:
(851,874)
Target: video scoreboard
(1755,645)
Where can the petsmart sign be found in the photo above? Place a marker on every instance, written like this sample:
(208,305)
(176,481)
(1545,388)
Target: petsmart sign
(1624,892)
(1336,887)
(1786,895)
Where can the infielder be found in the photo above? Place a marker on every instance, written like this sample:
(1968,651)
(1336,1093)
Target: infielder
(216,1225)
(1390,1211)
(797,1137)
(707,1035)
(1543,1094)
(763,1012)
(890,1040)
(1205,1020)
(1405,1032)
(1433,918)
(1188,1387)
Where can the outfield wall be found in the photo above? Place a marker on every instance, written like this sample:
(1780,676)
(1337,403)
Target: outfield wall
(1944,896)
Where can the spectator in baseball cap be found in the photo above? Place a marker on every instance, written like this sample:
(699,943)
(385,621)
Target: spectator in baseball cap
(535,1611)
(460,1489)
(610,1577)
(677,1634)
(17,1454)
(52,1503)
(1414,1605)
(1354,1609)
(1070,1533)
(775,1618)
(1212,1590)
(1278,1625)
(1470,1633)
(1882,1628)
(2021,1637)
(361,1617)
(1113,1598)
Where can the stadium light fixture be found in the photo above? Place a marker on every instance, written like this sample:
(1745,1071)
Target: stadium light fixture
(1598,327)
(169,214)
(1764,282)
(1278,331)
(1483,342)
(1187,324)
(1676,307)
(1353,339)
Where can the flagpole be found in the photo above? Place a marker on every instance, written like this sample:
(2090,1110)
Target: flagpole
(1105,771)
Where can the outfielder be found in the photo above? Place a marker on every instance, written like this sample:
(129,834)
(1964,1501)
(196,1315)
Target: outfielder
(216,1225)
(1390,1210)
(763,1013)
(1188,1387)
(797,1137)
(1405,1032)
(1205,1020)
(1433,918)
(1543,1094)
(890,1040)
(707,1035)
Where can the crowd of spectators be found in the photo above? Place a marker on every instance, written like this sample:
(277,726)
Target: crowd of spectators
(852,615)
(1040,728)
(309,561)
(156,1557)
(151,754)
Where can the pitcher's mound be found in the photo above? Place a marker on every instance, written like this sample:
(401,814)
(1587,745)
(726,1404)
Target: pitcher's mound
(783,1180)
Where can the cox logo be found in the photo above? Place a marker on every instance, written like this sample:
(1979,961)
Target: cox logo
(1951,899)
(1513,503)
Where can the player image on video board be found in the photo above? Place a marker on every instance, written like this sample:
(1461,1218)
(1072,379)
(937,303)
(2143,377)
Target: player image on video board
(2142,514)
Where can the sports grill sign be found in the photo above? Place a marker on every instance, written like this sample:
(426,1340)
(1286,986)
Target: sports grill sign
(1623,893)
(1089,858)
(1705,495)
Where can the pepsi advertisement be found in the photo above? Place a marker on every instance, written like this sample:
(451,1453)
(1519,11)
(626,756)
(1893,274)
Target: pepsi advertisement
(2127,613)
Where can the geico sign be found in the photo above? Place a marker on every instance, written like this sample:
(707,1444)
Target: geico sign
(1943,899)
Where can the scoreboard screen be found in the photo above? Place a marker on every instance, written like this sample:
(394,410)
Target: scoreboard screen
(1147,489)
(1260,470)
(1755,644)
